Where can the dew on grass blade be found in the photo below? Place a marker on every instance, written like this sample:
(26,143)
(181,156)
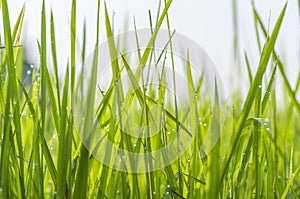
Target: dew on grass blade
(146,98)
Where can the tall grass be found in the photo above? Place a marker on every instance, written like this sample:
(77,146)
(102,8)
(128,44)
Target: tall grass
(42,156)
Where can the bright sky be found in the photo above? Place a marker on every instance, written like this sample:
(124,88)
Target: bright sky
(209,23)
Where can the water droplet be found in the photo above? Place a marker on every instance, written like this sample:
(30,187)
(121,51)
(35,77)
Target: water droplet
(168,133)
(154,192)
(31,66)
(118,191)
(204,124)
(134,145)
(28,72)
(123,156)
(268,129)
(167,193)
(188,160)
(259,86)
(168,186)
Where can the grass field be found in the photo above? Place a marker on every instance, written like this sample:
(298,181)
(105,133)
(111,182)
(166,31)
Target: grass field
(43,156)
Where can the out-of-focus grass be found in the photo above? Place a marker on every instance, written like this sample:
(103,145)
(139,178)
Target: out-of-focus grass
(43,157)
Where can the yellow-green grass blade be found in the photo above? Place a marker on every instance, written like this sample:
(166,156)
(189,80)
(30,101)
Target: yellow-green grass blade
(73,46)
(289,185)
(268,91)
(250,76)
(268,49)
(17,121)
(180,188)
(291,93)
(43,99)
(54,56)
(63,160)
(47,154)
(81,182)
(16,33)
(194,126)
(11,97)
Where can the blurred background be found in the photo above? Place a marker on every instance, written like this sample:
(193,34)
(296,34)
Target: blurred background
(218,26)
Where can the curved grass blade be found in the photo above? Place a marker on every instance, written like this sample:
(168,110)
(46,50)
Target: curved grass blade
(268,49)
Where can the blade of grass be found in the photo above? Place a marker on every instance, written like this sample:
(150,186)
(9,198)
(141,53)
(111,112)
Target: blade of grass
(81,187)
(11,96)
(63,160)
(248,67)
(269,47)
(43,99)
(291,93)
(73,45)
(54,57)
(288,187)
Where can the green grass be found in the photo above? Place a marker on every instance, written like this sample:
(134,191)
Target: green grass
(42,156)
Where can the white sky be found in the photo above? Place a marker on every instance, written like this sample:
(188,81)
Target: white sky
(209,23)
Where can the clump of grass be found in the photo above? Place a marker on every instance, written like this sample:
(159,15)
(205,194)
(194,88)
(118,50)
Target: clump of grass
(42,155)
